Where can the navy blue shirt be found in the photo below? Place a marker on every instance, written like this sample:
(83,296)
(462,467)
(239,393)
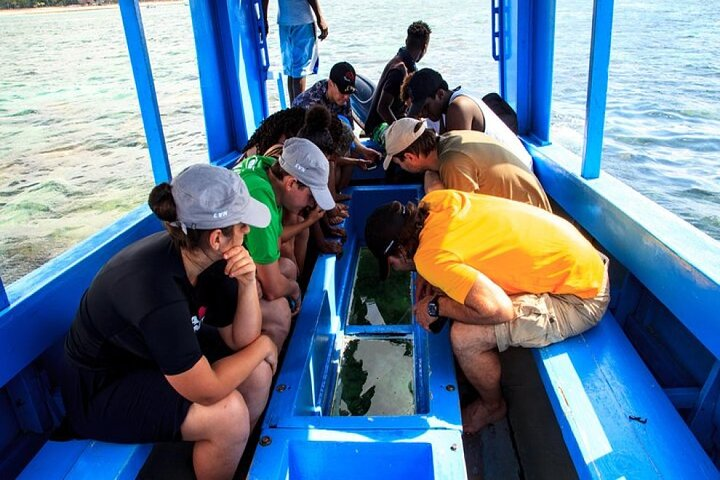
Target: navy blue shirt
(142,311)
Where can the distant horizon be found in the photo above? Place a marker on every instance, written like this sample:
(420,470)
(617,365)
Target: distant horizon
(6,7)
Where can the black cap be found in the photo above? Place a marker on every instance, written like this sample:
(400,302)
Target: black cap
(423,84)
(343,75)
(382,230)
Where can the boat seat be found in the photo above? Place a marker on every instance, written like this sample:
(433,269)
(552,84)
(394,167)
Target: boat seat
(361,100)
(62,457)
(615,419)
(86,459)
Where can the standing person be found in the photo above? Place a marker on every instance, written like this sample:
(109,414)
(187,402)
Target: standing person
(505,273)
(298,180)
(387,106)
(166,343)
(463,160)
(334,93)
(298,45)
(457,109)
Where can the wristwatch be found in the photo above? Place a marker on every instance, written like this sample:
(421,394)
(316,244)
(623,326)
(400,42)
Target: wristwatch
(433,307)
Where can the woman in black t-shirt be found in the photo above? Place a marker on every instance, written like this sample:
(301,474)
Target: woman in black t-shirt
(166,343)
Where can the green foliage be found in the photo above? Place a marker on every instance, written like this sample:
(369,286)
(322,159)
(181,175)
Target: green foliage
(392,297)
(353,378)
(5,4)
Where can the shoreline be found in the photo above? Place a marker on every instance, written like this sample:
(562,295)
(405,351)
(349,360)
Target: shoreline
(74,8)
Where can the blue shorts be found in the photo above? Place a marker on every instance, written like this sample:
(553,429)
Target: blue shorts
(299,50)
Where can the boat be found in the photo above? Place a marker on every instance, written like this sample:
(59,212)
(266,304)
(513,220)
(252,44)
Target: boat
(634,397)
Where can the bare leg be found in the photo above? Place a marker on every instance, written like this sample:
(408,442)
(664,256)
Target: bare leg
(295,87)
(288,268)
(220,432)
(276,320)
(255,390)
(475,349)
(301,242)
(345,177)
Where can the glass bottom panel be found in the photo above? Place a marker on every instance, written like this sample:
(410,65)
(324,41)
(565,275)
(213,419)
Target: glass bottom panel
(376,378)
(379,303)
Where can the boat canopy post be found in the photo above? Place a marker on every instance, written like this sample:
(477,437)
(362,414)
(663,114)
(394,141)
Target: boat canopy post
(142,72)
(597,88)
(232,72)
(526,48)
(4,302)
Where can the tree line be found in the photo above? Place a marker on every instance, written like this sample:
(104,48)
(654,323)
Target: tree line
(49,3)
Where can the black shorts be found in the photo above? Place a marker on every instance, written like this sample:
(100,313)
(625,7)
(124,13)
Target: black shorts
(138,406)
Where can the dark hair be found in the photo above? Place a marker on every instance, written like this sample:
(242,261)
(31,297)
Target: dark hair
(284,122)
(315,129)
(342,136)
(409,234)
(418,34)
(162,204)
(424,144)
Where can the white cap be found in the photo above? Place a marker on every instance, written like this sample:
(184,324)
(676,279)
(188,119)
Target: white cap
(400,135)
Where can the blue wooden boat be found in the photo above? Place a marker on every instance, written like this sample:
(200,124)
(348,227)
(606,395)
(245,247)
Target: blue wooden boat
(635,397)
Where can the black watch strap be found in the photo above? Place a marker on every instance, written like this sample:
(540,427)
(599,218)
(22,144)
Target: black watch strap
(434,302)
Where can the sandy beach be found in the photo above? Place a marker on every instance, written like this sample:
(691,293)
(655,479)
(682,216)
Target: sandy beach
(75,8)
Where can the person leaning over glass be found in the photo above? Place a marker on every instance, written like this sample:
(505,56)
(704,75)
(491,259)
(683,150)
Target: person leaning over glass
(166,343)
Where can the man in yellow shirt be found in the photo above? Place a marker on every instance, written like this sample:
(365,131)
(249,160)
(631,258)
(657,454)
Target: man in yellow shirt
(506,273)
(464,160)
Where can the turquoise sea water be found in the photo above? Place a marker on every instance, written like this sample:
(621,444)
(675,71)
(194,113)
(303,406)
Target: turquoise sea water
(73,156)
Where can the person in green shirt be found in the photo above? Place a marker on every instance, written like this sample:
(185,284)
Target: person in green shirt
(295,182)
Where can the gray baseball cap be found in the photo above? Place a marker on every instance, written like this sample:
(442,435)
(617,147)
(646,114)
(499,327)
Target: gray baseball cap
(208,197)
(305,161)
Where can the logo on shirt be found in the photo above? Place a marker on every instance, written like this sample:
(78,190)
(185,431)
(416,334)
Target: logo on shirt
(197,320)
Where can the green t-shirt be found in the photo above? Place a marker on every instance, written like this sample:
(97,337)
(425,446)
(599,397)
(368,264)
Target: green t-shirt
(262,243)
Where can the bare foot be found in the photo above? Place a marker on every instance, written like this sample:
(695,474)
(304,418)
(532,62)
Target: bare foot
(478,415)
(334,220)
(337,232)
(330,247)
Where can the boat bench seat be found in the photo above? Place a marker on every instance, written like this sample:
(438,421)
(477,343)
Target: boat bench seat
(86,459)
(615,419)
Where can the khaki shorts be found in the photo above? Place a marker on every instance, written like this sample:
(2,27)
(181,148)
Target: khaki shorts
(542,319)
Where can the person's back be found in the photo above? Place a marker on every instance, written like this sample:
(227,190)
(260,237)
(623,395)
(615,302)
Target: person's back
(294,12)
(521,248)
(262,243)
(395,70)
(483,119)
(472,161)
(387,104)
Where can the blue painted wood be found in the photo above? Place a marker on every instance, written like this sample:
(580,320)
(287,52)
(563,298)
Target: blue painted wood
(597,87)
(541,68)
(526,67)
(44,302)
(616,420)
(702,418)
(214,88)
(280,78)
(309,370)
(4,302)
(380,454)
(683,398)
(241,20)
(142,72)
(676,262)
(87,459)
